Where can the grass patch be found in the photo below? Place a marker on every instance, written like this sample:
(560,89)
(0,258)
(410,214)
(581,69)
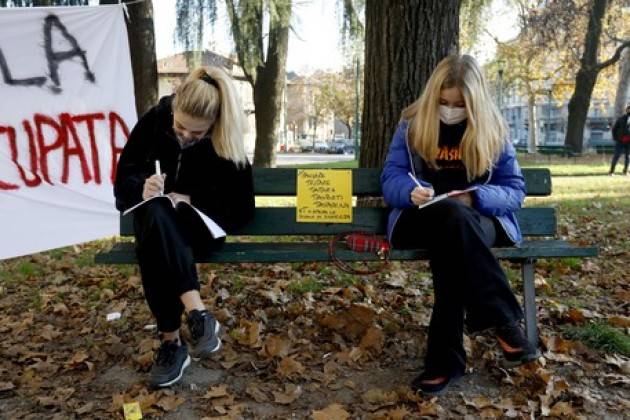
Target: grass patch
(237,285)
(567,166)
(5,277)
(29,269)
(345,164)
(85,258)
(600,336)
(346,280)
(306,285)
(571,262)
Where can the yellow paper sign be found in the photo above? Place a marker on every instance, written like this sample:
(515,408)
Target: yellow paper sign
(132,411)
(324,196)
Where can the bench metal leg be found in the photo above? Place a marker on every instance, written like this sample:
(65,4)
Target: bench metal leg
(529,296)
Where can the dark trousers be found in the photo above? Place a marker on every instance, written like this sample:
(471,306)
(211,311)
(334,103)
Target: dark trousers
(619,149)
(166,242)
(469,284)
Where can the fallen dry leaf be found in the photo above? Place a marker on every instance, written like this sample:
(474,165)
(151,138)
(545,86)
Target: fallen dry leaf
(332,412)
(289,366)
(291,393)
(619,321)
(275,346)
(248,333)
(170,402)
(379,398)
(254,391)
(373,340)
(6,386)
(216,391)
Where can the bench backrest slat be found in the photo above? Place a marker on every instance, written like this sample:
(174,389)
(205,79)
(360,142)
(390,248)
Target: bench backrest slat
(366,182)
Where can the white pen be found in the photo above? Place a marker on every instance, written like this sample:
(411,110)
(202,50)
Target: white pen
(158,172)
(415,180)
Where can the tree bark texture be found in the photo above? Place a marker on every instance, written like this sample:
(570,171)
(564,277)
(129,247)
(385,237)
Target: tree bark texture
(622,98)
(142,47)
(585,78)
(268,89)
(404,41)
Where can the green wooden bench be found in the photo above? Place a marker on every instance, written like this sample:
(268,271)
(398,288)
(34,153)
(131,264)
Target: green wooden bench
(537,224)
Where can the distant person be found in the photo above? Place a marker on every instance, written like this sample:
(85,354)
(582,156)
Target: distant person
(621,137)
(196,135)
(453,138)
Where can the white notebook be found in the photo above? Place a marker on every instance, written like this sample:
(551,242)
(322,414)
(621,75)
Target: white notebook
(215,230)
(446,195)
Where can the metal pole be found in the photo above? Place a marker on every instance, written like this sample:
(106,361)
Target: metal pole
(548,130)
(356,111)
(501,91)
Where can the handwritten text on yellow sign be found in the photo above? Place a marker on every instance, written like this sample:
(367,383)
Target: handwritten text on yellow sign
(324,196)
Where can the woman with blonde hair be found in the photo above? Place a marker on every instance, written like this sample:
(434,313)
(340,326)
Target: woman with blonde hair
(196,137)
(453,139)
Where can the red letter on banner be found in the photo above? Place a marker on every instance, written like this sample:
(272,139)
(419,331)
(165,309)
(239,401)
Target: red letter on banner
(44,148)
(89,120)
(115,119)
(71,133)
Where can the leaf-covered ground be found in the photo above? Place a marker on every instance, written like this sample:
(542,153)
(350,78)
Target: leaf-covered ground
(306,340)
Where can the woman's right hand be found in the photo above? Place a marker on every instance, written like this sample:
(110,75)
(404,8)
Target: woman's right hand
(154,185)
(420,196)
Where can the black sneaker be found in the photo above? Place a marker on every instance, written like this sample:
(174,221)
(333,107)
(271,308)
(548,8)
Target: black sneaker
(204,333)
(169,363)
(517,350)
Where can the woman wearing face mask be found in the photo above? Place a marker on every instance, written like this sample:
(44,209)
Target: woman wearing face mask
(197,137)
(452,138)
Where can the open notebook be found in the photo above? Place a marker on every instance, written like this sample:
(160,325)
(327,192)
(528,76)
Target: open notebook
(446,195)
(215,230)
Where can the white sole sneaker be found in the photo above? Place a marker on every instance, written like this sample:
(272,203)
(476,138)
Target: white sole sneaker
(181,372)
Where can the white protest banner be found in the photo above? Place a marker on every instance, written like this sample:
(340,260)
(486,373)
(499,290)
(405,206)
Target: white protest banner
(66,108)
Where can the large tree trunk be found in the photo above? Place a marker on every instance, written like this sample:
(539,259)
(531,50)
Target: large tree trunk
(142,47)
(404,41)
(585,79)
(532,135)
(623,87)
(268,90)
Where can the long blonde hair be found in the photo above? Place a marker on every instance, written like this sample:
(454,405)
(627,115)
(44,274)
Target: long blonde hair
(209,93)
(486,131)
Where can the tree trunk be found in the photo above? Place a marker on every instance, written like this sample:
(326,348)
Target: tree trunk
(623,87)
(142,48)
(585,79)
(532,135)
(404,41)
(268,90)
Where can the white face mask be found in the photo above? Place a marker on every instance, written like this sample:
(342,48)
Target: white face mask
(452,116)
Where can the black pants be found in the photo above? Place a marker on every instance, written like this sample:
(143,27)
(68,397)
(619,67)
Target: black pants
(620,149)
(166,242)
(469,284)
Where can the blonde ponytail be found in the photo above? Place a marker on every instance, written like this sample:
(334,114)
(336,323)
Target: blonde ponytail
(209,93)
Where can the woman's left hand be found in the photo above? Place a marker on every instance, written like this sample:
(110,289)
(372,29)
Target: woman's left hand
(177,197)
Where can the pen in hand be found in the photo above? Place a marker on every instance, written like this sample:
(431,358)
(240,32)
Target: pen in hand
(415,180)
(158,172)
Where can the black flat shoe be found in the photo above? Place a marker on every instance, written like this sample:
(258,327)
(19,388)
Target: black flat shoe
(419,383)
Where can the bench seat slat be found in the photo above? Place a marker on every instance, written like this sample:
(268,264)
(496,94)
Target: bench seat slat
(281,221)
(251,252)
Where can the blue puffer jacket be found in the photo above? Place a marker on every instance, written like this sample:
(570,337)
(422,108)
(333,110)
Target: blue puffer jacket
(500,193)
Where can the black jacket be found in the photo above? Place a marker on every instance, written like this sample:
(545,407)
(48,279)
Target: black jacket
(216,186)
(621,127)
